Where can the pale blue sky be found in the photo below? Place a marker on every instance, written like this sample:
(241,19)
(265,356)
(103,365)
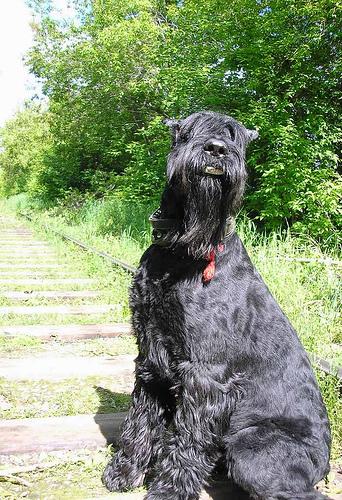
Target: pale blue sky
(16,84)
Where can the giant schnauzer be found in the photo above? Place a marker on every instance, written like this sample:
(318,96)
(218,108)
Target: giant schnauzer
(221,373)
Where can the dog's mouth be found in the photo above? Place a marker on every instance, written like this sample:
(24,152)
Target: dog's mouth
(213,170)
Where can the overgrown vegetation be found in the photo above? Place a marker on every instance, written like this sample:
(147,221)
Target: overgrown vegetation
(309,293)
(117,68)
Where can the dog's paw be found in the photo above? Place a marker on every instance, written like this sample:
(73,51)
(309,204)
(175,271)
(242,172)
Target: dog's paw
(122,477)
(169,494)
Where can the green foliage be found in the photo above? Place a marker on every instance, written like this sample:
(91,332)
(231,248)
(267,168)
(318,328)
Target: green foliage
(118,68)
(25,141)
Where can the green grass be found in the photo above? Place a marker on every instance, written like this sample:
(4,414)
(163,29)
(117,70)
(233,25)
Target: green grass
(17,346)
(79,477)
(25,345)
(105,347)
(73,396)
(331,388)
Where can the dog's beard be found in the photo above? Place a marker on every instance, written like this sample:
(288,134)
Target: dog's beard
(205,215)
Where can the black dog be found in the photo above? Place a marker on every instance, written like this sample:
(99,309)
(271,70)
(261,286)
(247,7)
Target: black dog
(220,370)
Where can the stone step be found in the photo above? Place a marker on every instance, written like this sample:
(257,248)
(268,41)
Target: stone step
(31,265)
(28,255)
(17,248)
(25,244)
(35,258)
(58,367)
(36,274)
(28,295)
(15,234)
(59,309)
(31,435)
(67,332)
(47,281)
(29,261)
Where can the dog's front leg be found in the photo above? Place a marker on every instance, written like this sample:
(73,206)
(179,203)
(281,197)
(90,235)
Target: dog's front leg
(141,433)
(188,457)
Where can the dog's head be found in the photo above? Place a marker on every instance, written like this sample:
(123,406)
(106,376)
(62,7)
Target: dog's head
(207,166)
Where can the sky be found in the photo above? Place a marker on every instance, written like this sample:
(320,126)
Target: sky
(16,84)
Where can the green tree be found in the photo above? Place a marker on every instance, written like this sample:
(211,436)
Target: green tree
(25,140)
(274,65)
(116,70)
(100,78)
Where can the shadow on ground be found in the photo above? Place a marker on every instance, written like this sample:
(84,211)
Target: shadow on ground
(111,413)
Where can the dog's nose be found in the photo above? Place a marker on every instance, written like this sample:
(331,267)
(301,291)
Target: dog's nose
(215,147)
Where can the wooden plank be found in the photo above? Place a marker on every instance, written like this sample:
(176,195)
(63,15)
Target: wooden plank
(19,243)
(9,252)
(17,234)
(18,237)
(20,247)
(8,244)
(31,265)
(59,309)
(36,274)
(59,433)
(37,435)
(24,256)
(68,332)
(59,367)
(19,258)
(51,294)
(47,281)
(28,261)
(222,489)
(15,227)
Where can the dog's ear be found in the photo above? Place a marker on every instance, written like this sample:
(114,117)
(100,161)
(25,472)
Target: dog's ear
(170,122)
(174,126)
(252,135)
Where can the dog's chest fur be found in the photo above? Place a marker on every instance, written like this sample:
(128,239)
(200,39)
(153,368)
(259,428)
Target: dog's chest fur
(179,319)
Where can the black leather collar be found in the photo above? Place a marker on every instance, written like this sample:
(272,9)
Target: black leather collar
(161,227)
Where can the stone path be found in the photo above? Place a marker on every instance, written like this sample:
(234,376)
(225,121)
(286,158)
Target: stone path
(31,265)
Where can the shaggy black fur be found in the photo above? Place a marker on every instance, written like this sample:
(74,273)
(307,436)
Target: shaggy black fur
(220,370)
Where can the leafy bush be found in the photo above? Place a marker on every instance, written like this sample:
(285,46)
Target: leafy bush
(25,141)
